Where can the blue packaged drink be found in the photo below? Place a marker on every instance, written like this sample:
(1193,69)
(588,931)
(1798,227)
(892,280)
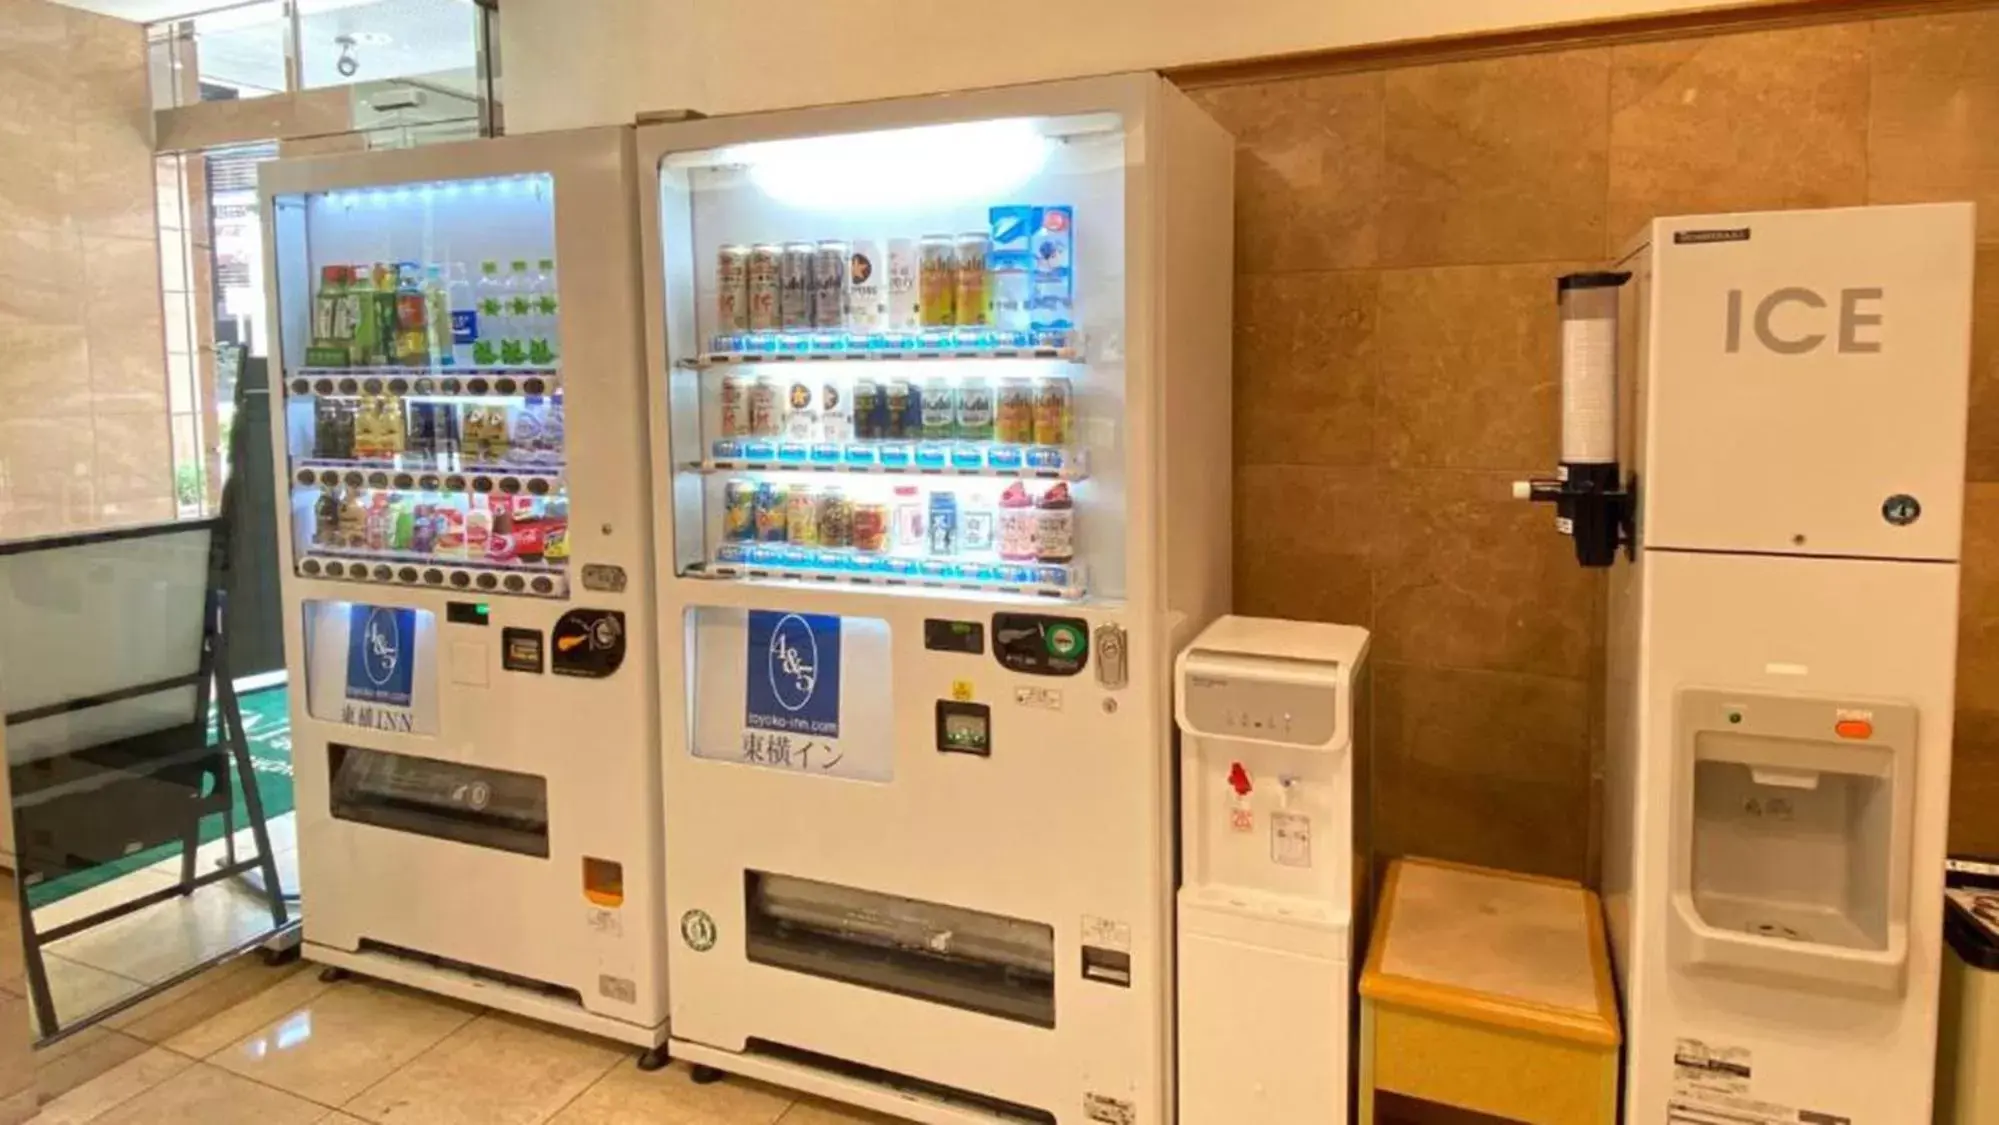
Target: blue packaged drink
(1012,228)
(1054,282)
(943,523)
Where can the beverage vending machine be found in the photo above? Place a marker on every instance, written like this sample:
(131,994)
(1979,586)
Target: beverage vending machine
(941,408)
(466,572)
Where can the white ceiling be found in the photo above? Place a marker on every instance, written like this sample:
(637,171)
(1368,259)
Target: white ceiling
(244,46)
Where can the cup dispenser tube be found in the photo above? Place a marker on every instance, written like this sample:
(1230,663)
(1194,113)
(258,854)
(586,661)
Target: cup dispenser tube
(1593,506)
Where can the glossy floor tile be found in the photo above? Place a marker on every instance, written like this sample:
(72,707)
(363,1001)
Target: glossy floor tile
(254,1045)
(343,1040)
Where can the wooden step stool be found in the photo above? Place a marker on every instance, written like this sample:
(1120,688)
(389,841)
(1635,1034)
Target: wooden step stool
(1491,992)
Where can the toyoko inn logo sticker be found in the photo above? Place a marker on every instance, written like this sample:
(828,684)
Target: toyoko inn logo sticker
(381,654)
(793,673)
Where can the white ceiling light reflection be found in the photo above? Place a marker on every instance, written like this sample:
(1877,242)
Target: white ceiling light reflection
(896,170)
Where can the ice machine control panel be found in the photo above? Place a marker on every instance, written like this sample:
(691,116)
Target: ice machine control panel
(1041,645)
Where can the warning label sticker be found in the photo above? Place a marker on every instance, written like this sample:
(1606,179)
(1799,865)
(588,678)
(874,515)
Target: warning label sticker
(1714,1084)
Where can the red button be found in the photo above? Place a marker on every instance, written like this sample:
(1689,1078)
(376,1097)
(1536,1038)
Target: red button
(1854,728)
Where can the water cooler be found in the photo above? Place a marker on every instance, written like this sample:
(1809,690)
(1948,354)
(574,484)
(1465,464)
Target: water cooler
(1274,887)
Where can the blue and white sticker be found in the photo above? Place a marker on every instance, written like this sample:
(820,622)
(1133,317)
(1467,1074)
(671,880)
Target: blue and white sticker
(381,654)
(793,675)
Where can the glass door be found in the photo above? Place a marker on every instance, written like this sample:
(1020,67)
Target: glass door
(423,379)
(907,358)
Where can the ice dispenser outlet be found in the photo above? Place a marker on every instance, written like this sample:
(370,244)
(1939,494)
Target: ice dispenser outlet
(1273,874)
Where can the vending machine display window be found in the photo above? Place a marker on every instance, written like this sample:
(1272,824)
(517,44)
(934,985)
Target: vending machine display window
(423,384)
(898,357)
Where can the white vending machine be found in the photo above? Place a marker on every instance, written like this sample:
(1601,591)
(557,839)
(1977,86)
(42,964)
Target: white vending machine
(1771,462)
(1274,882)
(942,413)
(466,569)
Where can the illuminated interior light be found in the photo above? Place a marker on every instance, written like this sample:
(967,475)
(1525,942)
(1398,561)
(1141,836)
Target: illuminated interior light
(896,170)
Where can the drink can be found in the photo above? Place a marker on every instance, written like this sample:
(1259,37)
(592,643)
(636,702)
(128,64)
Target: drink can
(766,411)
(940,409)
(867,301)
(732,289)
(970,298)
(736,388)
(802,517)
(870,410)
(903,410)
(836,411)
(801,408)
(1013,416)
(943,523)
(829,284)
(765,282)
(1051,411)
(836,519)
(794,296)
(772,501)
(975,409)
(937,281)
(1055,525)
(739,511)
(905,301)
(871,527)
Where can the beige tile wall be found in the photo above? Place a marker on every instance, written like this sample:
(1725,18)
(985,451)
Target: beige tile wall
(1397,231)
(83,391)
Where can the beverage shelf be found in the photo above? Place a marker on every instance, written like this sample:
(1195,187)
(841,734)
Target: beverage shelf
(402,568)
(753,561)
(1043,462)
(507,480)
(963,343)
(471,382)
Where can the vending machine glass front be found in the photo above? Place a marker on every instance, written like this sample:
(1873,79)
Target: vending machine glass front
(423,384)
(905,364)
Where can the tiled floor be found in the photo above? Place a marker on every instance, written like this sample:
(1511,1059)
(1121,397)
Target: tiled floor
(260,1046)
(107,963)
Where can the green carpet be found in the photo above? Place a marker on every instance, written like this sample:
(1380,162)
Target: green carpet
(268,729)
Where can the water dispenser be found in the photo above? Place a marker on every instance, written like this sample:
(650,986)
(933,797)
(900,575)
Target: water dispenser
(1274,868)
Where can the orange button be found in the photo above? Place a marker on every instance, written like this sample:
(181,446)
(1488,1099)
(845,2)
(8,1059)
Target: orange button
(1854,728)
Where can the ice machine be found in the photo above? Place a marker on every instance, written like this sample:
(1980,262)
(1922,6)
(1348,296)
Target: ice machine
(941,416)
(1274,868)
(465,554)
(1764,419)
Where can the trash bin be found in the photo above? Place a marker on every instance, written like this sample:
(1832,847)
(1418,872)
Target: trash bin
(1968,1024)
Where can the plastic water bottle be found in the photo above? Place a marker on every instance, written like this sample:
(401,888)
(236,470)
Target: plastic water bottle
(520,307)
(541,335)
(464,305)
(491,295)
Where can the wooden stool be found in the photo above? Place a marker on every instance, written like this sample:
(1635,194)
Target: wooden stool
(1489,991)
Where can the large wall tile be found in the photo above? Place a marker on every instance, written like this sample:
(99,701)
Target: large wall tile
(41,281)
(1495,160)
(1305,368)
(1470,368)
(126,327)
(31,192)
(44,371)
(1934,121)
(1303,536)
(1756,121)
(34,101)
(1308,170)
(101,44)
(33,27)
(45,464)
(1482,767)
(134,458)
(1975,762)
(107,189)
(1982,433)
(1465,576)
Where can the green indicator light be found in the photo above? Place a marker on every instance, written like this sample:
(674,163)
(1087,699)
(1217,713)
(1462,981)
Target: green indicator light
(482,609)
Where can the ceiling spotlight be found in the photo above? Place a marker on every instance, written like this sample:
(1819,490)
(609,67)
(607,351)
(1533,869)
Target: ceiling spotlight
(347,64)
